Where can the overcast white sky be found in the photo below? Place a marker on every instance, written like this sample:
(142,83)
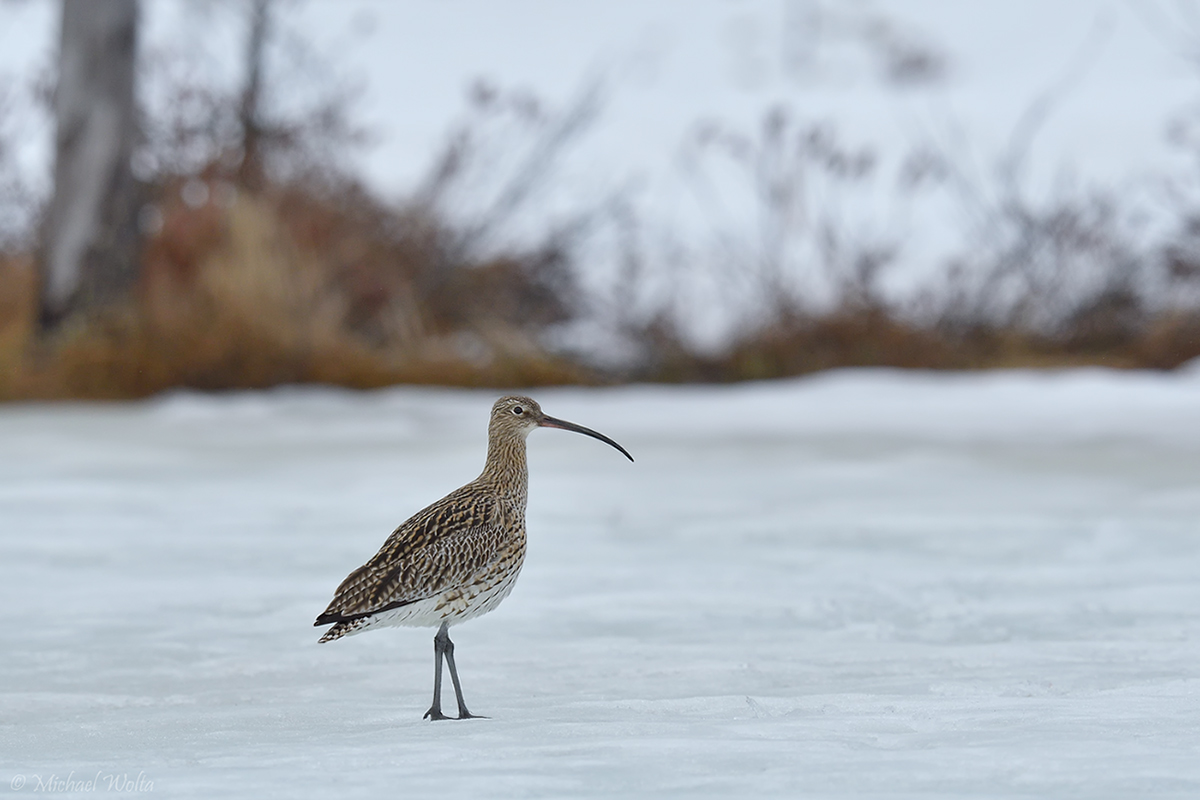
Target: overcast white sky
(672,62)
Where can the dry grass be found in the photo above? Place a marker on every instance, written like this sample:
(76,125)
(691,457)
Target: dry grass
(317,281)
(305,287)
(229,299)
(871,337)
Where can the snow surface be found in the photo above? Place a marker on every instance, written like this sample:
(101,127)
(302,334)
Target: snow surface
(861,584)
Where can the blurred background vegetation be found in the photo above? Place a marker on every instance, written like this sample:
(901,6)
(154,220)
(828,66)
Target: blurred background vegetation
(218,242)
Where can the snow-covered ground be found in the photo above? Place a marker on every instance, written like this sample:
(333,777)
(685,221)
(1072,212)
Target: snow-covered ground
(860,584)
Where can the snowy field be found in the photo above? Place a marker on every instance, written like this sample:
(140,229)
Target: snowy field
(860,584)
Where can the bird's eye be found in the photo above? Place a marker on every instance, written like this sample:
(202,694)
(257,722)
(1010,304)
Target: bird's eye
(518,410)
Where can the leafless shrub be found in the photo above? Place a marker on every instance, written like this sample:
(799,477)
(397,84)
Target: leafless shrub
(194,123)
(1044,269)
(502,156)
(898,54)
(807,253)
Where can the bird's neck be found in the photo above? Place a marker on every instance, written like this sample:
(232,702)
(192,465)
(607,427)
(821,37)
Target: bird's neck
(505,467)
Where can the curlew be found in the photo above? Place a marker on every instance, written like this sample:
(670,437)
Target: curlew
(456,559)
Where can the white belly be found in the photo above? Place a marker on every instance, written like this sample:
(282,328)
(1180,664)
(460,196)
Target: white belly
(454,606)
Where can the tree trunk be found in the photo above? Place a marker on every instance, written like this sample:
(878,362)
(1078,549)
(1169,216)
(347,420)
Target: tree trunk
(92,242)
(250,174)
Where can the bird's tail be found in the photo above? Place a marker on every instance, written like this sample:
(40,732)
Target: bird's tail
(342,629)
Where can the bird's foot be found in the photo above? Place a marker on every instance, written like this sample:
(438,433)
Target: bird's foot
(434,714)
(464,714)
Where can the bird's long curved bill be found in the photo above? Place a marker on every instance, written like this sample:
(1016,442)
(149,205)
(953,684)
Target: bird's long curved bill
(551,422)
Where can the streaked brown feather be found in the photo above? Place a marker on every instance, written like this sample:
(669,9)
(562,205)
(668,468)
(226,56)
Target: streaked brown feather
(439,548)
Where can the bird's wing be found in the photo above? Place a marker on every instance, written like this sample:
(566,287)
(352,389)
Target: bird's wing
(439,548)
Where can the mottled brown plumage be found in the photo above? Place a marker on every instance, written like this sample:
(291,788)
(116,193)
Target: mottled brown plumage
(457,558)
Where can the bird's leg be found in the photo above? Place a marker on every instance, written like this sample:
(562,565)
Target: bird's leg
(439,646)
(448,647)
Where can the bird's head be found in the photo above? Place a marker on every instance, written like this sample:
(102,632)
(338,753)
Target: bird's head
(517,415)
